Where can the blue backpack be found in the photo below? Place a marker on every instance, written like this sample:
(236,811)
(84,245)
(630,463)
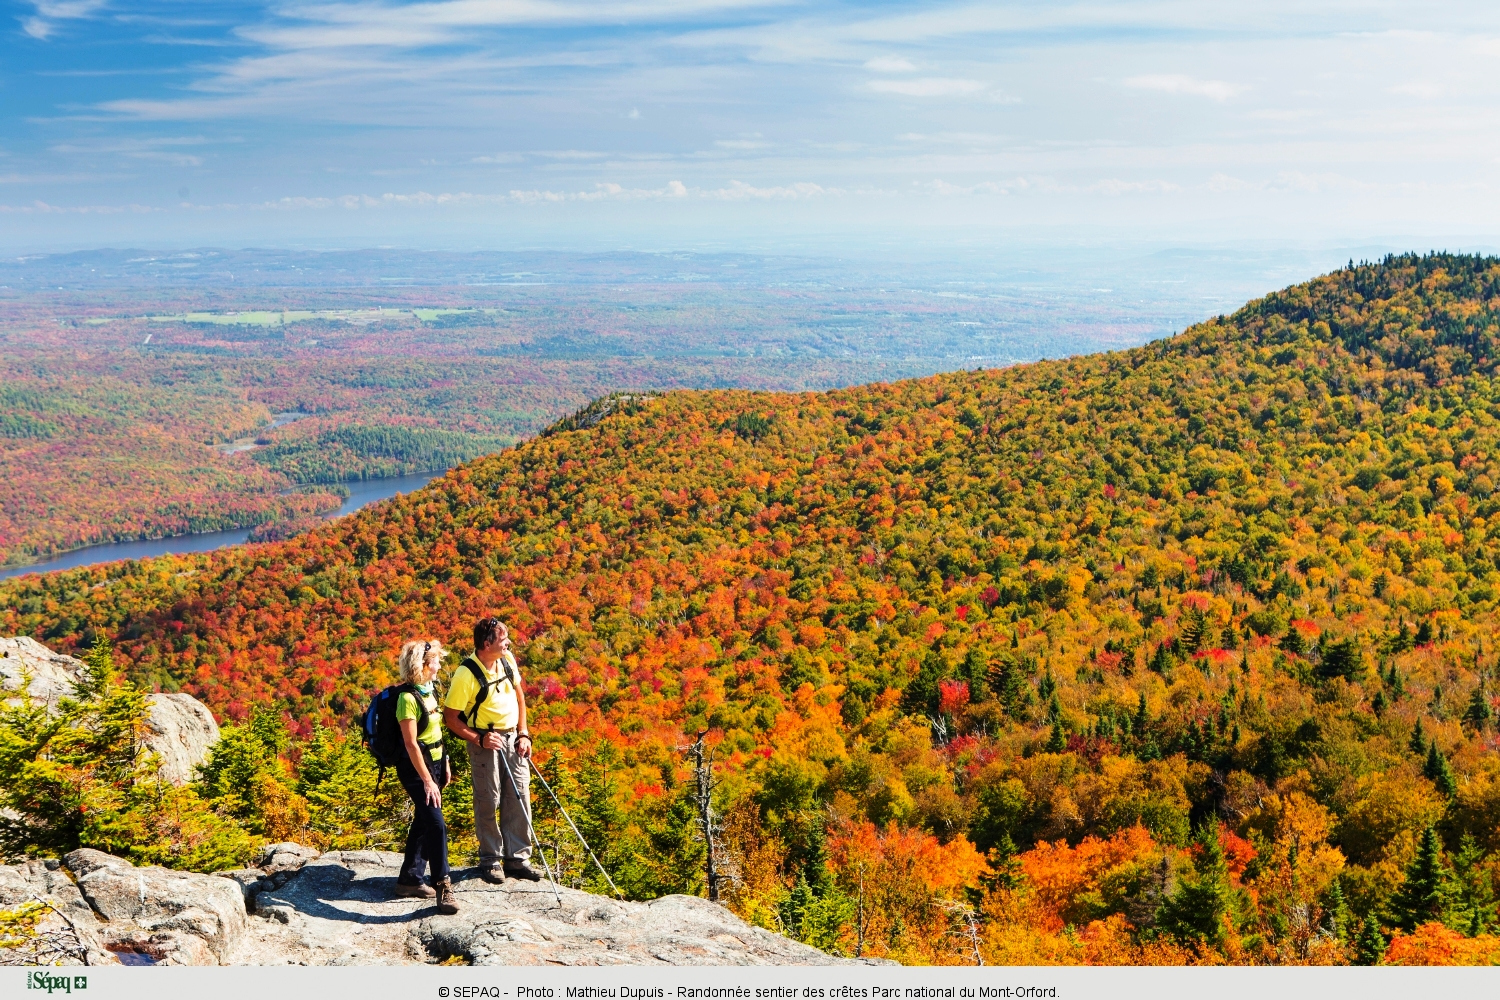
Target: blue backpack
(380,730)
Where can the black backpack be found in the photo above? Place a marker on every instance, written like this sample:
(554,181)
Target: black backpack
(380,730)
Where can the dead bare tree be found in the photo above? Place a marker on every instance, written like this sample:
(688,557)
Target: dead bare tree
(969,929)
(718,871)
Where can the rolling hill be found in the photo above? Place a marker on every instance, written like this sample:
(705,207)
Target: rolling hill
(1179,653)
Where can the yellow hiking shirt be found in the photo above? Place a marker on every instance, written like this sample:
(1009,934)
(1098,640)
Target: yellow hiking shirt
(501,709)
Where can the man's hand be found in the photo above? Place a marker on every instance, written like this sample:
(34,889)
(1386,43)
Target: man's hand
(523,746)
(489,740)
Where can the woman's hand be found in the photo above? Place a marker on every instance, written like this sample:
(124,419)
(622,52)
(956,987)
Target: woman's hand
(434,794)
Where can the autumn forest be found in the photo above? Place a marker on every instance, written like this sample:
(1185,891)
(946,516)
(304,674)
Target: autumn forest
(1180,654)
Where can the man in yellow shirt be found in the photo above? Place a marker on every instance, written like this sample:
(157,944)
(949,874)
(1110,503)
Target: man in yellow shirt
(486,708)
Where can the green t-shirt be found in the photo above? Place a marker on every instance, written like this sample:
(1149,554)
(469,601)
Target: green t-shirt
(432,736)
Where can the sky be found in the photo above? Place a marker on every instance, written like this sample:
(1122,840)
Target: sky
(745,123)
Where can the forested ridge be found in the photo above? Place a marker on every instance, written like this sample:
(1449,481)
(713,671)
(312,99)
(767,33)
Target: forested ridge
(1184,653)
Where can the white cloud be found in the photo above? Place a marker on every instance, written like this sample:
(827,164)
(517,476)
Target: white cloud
(1418,88)
(944,189)
(1114,186)
(930,86)
(163,150)
(890,64)
(672,190)
(1176,83)
(742,144)
(330,25)
(1221,182)
(48,12)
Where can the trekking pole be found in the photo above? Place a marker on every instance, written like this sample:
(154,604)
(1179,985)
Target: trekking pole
(526,811)
(538,772)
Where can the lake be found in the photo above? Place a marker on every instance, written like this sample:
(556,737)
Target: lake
(360,494)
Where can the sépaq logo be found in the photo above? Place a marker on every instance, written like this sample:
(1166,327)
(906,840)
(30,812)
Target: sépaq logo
(47,981)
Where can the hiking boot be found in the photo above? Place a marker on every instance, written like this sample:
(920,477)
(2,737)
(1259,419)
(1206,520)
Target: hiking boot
(521,870)
(414,890)
(446,904)
(494,876)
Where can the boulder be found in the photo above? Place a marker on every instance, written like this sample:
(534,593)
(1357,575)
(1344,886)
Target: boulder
(52,675)
(338,909)
(179,727)
(283,857)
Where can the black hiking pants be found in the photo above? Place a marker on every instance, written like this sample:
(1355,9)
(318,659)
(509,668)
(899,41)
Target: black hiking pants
(427,841)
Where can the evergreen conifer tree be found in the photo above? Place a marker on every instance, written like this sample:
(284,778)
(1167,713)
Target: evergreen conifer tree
(1437,770)
(99,672)
(1336,911)
(1418,742)
(1427,892)
(1058,741)
(1369,947)
(1197,910)
(1479,714)
(1476,889)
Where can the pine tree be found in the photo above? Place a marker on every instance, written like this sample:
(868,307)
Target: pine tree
(1427,892)
(1007,684)
(1341,659)
(1479,714)
(1046,688)
(975,670)
(1369,947)
(99,671)
(1378,704)
(1197,910)
(1336,911)
(1438,771)
(1418,742)
(794,908)
(1476,889)
(1058,741)
(1192,743)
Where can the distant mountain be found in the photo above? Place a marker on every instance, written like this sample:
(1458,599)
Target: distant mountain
(1242,580)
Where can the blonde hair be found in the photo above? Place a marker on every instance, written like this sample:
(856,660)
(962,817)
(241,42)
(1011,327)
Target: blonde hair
(414,654)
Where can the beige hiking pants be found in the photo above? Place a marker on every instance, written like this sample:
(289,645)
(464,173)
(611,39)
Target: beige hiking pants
(505,840)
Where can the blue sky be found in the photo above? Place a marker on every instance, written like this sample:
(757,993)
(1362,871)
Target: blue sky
(737,122)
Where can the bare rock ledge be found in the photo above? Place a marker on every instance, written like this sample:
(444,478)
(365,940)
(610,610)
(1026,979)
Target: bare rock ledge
(302,908)
(179,728)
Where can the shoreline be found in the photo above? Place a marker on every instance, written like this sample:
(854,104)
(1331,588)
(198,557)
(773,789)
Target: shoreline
(362,492)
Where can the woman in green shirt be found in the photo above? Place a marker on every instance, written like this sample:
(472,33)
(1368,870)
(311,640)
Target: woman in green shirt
(424,773)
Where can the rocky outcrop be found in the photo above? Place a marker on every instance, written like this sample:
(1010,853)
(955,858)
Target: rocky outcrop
(302,908)
(52,676)
(124,914)
(179,728)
